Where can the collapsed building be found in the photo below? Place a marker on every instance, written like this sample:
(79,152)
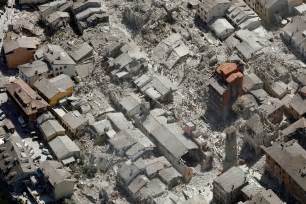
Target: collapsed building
(264,196)
(221,28)
(271,12)
(59,179)
(126,61)
(248,43)
(294,34)
(156,87)
(210,10)
(255,133)
(55,14)
(50,183)
(171,51)
(88,13)
(16,163)
(296,131)
(137,16)
(297,108)
(242,16)
(32,1)
(147,179)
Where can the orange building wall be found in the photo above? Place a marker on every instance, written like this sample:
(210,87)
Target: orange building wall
(19,56)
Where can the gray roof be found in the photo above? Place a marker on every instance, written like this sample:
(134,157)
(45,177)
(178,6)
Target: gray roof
(294,127)
(232,179)
(131,142)
(279,89)
(127,173)
(222,28)
(56,55)
(11,150)
(139,182)
(74,120)
(260,95)
(210,4)
(291,157)
(57,15)
(44,87)
(153,189)
(63,147)
(251,189)
(168,136)
(169,175)
(81,52)
(251,82)
(88,12)
(213,83)
(155,86)
(255,124)
(61,82)
(55,172)
(121,143)
(265,197)
(197,199)
(142,164)
(100,126)
(119,121)
(271,107)
(298,103)
(130,102)
(81,6)
(295,31)
(158,87)
(51,129)
(51,5)
(33,68)
(44,117)
(242,15)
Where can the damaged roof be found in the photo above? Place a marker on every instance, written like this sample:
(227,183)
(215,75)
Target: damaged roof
(232,179)
(33,68)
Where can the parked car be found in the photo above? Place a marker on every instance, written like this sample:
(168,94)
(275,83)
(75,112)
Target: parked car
(22,122)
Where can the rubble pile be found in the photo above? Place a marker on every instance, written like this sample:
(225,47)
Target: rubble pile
(152,101)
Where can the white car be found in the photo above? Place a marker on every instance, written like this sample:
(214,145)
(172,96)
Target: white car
(2,117)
